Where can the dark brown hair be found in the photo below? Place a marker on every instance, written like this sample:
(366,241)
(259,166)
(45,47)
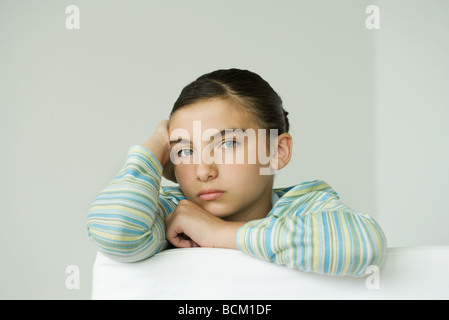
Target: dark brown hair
(245,89)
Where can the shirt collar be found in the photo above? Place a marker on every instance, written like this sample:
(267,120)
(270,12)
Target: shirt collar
(274,198)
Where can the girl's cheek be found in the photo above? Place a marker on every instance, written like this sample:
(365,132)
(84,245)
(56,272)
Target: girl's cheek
(234,172)
(180,173)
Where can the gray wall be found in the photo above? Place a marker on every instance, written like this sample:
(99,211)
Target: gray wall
(73,101)
(412,117)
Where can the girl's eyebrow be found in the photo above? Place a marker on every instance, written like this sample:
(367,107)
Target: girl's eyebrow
(221,133)
(179,140)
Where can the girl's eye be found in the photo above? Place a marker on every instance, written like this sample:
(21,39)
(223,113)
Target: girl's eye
(185,152)
(229,144)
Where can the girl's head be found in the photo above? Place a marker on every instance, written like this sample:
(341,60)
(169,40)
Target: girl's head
(241,88)
(221,130)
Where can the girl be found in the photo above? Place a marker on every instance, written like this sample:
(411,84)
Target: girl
(225,197)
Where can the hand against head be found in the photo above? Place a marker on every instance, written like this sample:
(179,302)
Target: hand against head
(159,144)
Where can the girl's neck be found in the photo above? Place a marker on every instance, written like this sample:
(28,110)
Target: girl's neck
(258,209)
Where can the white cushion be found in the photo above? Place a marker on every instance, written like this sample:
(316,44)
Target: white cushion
(206,273)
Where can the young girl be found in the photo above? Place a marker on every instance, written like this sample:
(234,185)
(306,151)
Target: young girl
(225,197)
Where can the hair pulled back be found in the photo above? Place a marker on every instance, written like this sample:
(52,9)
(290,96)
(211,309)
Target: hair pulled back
(244,88)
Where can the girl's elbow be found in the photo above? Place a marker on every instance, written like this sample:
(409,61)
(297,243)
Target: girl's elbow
(377,254)
(125,248)
(372,257)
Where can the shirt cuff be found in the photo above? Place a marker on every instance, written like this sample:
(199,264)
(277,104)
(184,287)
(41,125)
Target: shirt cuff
(147,156)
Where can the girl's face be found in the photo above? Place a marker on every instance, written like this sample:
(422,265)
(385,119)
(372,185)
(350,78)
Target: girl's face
(213,168)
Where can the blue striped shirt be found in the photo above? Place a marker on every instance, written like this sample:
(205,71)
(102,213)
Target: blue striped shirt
(308,227)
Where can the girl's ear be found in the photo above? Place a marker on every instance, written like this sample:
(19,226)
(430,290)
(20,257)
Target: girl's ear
(283,153)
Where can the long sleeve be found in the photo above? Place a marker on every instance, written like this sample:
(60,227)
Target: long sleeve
(126,220)
(311,230)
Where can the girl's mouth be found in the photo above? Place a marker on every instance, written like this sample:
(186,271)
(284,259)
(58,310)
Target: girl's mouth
(210,194)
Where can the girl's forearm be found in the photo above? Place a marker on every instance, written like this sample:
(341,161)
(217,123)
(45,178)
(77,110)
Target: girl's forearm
(227,235)
(157,147)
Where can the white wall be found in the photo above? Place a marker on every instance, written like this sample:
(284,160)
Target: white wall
(73,101)
(412,122)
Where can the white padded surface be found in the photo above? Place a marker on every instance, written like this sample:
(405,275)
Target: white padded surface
(206,273)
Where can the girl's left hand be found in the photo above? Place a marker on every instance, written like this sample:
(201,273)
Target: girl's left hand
(189,225)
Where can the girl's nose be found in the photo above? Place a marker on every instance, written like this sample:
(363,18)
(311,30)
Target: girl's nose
(206,172)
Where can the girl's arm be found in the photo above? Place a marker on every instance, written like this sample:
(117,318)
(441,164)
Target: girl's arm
(126,220)
(324,237)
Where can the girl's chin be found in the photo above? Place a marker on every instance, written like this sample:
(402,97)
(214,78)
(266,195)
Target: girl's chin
(219,210)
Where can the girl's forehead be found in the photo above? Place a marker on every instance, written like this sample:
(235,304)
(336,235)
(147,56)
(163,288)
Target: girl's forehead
(211,114)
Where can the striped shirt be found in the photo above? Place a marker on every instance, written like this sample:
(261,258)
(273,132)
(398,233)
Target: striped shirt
(308,227)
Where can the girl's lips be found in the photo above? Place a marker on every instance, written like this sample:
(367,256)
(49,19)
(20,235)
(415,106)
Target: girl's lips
(210,194)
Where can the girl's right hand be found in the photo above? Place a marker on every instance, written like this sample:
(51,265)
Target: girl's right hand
(159,144)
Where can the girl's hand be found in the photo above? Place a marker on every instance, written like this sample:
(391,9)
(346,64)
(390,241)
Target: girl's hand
(159,144)
(189,225)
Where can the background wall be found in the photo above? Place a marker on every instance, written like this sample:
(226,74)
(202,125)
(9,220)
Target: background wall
(73,101)
(412,122)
